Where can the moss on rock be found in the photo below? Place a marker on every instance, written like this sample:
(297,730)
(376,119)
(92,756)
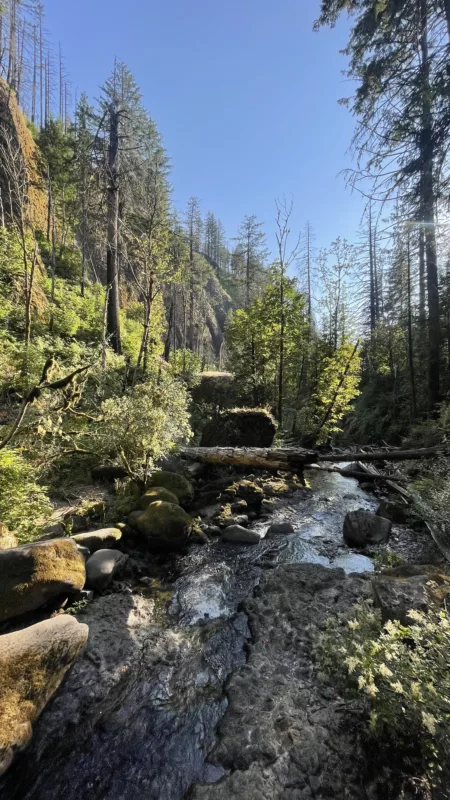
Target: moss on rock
(32,574)
(33,663)
(155,493)
(165,525)
(175,483)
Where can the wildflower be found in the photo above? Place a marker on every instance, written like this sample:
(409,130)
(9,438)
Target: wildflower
(415,690)
(385,671)
(415,615)
(352,663)
(373,720)
(361,682)
(397,687)
(353,624)
(371,689)
(429,722)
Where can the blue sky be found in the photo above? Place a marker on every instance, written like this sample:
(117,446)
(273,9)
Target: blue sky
(244,93)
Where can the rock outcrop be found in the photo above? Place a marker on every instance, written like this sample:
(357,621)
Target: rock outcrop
(32,574)
(33,662)
(245,427)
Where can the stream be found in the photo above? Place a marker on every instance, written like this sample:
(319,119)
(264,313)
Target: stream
(137,715)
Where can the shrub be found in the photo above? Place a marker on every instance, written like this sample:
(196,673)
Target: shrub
(401,674)
(24,504)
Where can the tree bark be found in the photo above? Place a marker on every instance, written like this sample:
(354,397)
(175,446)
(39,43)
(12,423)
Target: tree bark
(384,455)
(112,278)
(290,459)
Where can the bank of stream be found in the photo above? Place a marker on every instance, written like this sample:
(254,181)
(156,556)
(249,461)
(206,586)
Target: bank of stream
(168,698)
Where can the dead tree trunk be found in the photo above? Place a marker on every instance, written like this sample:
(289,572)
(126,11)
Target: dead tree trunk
(290,459)
(112,278)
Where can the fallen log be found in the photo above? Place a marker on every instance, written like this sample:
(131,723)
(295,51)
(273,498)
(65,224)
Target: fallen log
(385,455)
(353,473)
(290,459)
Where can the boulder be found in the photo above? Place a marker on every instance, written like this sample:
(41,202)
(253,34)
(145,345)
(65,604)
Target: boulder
(362,528)
(7,539)
(240,535)
(239,506)
(33,662)
(156,493)
(32,574)
(281,527)
(165,526)
(397,596)
(245,427)
(98,540)
(393,511)
(133,518)
(101,568)
(175,483)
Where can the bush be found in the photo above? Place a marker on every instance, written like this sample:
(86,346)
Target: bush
(143,425)
(401,673)
(24,505)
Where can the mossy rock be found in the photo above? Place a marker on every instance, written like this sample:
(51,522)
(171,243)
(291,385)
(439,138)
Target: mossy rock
(175,483)
(240,427)
(156,493)
(165,526)
(32,574)
(33,662)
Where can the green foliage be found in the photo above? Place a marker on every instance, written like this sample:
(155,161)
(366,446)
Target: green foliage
(401,675)
(337,387)
(386,559)
(187,365)
(144,424)
(23,503)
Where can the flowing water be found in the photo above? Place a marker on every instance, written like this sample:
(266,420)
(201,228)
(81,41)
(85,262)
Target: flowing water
(137,714)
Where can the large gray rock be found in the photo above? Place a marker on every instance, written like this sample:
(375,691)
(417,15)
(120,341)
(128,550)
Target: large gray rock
(32,574)
(101,568)
(240,535)
(33,662)
(98,540)
(362,528)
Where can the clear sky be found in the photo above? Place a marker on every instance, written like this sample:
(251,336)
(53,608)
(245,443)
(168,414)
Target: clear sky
(243,91)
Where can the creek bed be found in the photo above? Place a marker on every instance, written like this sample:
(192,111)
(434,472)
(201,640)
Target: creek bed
(138,713)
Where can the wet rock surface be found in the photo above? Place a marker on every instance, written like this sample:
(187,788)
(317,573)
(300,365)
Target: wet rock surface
(284,734)
(181,654)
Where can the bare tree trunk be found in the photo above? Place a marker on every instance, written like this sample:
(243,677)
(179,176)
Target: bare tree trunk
(373,311)
(11,76)
(428,199)
(290,459)
(410,334)
(34,81)
(41,70)
(113,317)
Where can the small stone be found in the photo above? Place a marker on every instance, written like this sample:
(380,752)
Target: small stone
(239,505)
(281,527)
(101,568)
(239,519)
(240,535)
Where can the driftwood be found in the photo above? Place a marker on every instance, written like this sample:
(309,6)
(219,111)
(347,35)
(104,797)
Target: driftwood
(287,458)
(384,455)
(360,474)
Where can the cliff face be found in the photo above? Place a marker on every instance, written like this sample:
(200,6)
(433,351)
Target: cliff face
(18,155)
